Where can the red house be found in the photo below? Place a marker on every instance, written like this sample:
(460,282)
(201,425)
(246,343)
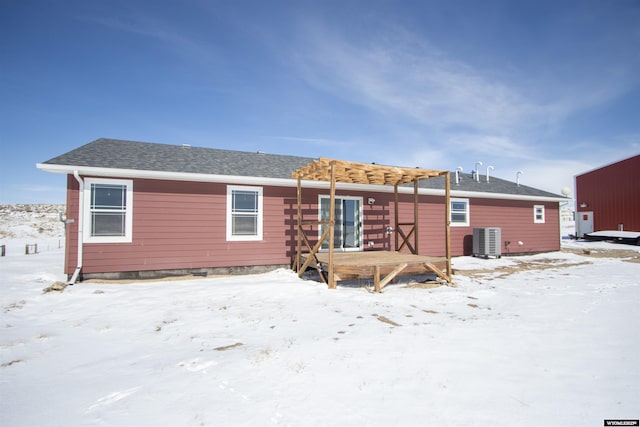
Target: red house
(137,210)
(608,200)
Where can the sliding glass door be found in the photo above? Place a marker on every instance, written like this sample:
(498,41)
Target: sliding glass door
(348,228)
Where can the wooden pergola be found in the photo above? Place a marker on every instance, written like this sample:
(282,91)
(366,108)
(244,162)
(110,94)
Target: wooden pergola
(367,263)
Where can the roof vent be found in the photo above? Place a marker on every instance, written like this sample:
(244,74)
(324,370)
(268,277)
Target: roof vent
(488,169)
(458,170)
(476,175)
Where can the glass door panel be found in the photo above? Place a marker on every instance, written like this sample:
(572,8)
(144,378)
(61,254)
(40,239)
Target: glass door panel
(351,223)
(348,222)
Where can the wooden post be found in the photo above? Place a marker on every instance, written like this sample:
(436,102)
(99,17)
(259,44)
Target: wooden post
(397,218)
(332,224)
(3,250)
(447,222)
(298,227)
(415,216)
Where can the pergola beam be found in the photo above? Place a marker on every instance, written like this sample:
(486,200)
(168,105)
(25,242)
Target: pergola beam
(362,173)
(334,171)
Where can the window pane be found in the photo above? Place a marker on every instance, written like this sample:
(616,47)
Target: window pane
(245,225)
(458,206)
(245,201)
(104,196)
(341,216)
(458,217)
(459,212)
(107,224)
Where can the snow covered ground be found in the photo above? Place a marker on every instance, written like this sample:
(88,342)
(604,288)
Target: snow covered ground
(544,340)
(31,224)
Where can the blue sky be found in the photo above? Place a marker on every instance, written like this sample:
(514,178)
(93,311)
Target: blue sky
(551,88)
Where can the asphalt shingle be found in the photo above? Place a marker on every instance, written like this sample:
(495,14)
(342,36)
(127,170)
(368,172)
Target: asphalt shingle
(121,154)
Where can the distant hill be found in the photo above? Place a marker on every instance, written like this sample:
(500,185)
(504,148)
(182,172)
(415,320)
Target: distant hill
(31,221)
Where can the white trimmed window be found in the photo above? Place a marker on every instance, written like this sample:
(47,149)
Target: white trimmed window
(108,210)
(459,213)
(538,214)
(244,213)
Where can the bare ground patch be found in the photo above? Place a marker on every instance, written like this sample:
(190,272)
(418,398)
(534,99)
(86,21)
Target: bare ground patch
(158,279)
(228,347)
(628,255)
(386,320)
(528,265)
(430,284)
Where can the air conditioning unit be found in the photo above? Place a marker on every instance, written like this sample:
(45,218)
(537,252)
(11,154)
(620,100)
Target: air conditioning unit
(486,242)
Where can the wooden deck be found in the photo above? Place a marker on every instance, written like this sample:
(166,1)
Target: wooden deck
(382,266)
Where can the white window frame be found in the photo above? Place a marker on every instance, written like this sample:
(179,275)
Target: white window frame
(87,217)
(538,210)
(467,213)
(259,214)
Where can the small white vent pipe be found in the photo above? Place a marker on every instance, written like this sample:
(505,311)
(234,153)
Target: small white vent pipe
(518,177)
(458,170)
(477,173)
(488,168)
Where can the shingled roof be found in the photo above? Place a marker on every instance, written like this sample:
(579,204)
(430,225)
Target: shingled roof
(146,156)
(106,153)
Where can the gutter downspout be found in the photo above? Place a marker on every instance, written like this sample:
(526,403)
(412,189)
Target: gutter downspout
(76,273)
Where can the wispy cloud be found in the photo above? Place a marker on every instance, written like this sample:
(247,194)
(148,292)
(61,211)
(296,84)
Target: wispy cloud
(399,75)
(549,174)
(403,77)
(488,145)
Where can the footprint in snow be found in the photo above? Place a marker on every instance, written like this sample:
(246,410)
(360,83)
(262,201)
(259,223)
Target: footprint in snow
(224,385)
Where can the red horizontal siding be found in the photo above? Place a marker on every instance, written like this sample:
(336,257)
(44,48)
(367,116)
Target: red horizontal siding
(612,193)
(182,225)
(516,220)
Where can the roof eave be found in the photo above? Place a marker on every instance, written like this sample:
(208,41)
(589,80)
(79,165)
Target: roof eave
(505,196)
(277,182)
(169,176)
